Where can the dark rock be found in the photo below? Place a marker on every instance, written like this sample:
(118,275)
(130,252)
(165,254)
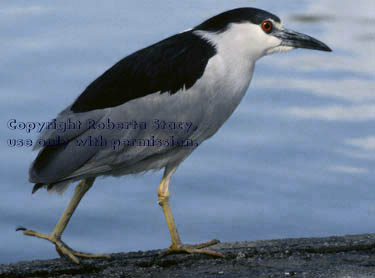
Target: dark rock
(336,256)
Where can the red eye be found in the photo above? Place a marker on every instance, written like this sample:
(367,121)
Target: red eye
(267,26)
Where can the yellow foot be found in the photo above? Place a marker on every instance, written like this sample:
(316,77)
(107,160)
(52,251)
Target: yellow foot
(193,249)
(61,248)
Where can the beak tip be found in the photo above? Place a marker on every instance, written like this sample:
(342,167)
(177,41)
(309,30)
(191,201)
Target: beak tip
(299,40)
(326,48)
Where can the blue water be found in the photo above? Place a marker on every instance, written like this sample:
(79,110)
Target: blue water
(296,159)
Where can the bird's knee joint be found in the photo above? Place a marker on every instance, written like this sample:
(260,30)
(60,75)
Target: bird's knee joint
(162,198)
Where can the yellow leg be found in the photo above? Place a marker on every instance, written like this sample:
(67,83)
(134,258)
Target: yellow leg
(55,236)
(177,246)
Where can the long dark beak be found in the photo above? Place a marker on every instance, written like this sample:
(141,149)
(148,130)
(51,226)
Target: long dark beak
(298,40)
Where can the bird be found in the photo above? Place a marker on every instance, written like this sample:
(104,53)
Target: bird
(153,108)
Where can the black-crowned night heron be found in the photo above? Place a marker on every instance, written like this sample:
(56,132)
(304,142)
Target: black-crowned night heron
(154,107)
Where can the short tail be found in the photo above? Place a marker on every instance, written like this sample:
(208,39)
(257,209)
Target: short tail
(38,186)
(59,187)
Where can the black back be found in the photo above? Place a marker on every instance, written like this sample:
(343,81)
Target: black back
(167,66)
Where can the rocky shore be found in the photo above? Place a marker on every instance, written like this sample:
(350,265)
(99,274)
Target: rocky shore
(337,256)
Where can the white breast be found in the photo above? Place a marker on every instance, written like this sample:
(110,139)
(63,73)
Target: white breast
(225,81)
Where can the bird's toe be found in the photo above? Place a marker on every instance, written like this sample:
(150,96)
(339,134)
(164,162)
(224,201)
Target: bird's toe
(66,252)
(203,244)
(62,248)
(193,249)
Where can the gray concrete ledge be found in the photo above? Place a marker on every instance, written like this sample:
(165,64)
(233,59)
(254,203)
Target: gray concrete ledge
(351,256)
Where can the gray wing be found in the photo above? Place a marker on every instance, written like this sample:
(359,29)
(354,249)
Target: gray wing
(150,84)
(73,160)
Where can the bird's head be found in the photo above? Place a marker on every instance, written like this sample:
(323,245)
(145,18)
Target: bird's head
(254,32)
